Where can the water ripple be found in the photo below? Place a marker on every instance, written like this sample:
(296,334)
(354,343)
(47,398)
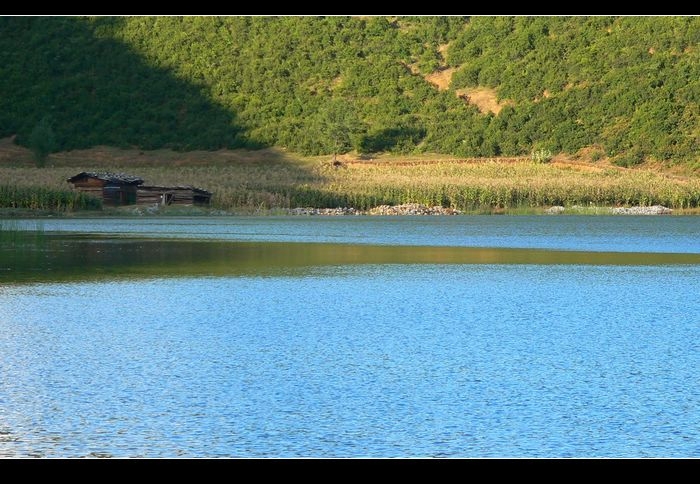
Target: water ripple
(375,359)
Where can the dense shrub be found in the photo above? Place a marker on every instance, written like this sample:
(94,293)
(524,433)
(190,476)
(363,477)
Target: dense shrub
(214,82)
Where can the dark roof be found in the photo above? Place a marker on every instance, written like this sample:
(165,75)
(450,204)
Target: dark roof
(201,191)
(121,178)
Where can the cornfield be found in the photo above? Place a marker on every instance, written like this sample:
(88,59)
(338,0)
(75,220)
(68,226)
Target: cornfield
(294,182)
(43,198)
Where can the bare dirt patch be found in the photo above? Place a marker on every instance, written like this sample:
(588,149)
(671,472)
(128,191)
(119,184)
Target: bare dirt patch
(336,82)
(580,166)
(442,78)
(484,98)
(546,94)
(413,68)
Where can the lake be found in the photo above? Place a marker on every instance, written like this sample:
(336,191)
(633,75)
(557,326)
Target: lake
(358,336)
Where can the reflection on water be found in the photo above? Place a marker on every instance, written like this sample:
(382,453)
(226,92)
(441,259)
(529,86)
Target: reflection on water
(580,233)
(50,257)
(123,345)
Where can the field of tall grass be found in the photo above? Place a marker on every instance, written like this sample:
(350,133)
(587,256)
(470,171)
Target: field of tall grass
(280,182)
(38,197)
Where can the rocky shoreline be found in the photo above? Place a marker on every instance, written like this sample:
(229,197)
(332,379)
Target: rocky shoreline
(653,210)
(420,209)
(414,209)
(324,211)
(405,209)
(639,210)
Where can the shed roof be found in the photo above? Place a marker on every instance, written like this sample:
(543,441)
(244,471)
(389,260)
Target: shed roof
(121,178)
(201,191)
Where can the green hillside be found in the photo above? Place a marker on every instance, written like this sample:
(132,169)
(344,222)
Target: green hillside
(626,87)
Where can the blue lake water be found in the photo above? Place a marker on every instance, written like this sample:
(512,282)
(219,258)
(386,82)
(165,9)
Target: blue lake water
(405,352)
(574,232)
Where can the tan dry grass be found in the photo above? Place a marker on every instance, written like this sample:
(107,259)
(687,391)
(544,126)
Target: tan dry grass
(103,156)
(546,94)
(336,82)
(484,98)
(12,153)
(442,78)
(413,68)
(270,178)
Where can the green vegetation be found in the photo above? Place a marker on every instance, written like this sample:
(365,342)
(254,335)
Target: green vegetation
(541,156)
(481,185)
(42,141)
(339,128)
(46,199)
(326,85)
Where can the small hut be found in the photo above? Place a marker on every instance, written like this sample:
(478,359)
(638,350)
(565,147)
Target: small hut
(113,188)
(121,189)
(179,195)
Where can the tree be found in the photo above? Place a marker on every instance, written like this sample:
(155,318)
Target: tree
(42,141)
(340,127)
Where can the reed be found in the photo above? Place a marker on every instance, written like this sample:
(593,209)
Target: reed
(46,198)
(465,185)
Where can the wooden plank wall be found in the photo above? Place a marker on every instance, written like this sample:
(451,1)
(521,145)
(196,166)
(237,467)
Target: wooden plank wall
(174,195)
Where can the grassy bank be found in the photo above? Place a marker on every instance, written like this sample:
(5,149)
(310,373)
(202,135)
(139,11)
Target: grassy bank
(248,182)
(45,199)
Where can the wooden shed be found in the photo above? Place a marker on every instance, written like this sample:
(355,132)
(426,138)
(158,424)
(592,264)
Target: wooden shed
(113,188)
(179,195)
(121,189)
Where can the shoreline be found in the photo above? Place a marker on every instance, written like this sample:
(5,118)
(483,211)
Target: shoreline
(409,209)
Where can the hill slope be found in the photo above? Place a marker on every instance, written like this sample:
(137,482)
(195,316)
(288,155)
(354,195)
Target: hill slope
(623,87)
